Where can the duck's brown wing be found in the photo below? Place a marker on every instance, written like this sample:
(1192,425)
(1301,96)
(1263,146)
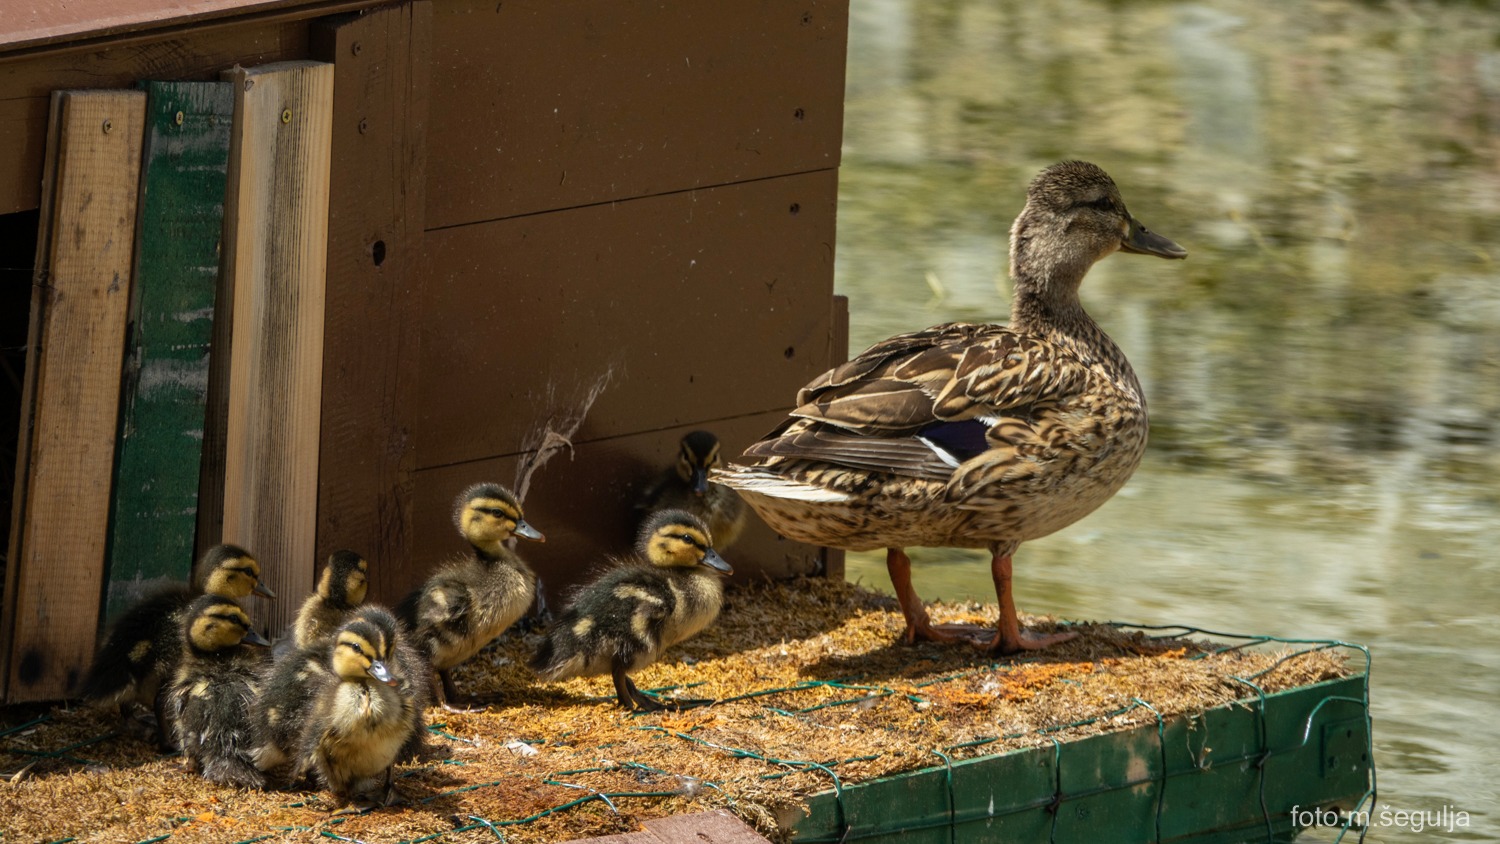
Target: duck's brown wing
(920,404)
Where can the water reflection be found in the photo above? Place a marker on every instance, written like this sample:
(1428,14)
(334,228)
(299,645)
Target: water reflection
(1324,370)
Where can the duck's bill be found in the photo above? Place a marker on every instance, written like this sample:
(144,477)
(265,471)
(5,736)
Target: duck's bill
(254,638)
(1143,241)
(526,531)
(378,670)
(262,590)
(715,562)
(700,481)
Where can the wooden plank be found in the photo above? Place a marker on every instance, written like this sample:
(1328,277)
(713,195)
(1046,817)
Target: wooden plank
(584,501)
(38,24)
(84,285)
(542,105)
(375,282)
(276,252)
(198,54)
(708,304)
(186,157)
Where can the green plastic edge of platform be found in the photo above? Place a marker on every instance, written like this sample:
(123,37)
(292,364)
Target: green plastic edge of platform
(1231,773)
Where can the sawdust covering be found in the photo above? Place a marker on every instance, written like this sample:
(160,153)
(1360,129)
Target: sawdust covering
(812,683)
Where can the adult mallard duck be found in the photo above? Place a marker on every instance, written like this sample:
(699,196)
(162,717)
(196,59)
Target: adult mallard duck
(685,486)
(972,435)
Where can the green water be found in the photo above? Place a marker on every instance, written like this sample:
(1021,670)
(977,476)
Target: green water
(1324,369)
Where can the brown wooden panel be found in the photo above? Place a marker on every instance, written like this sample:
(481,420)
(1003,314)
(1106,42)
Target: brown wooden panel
(374,281)
(72,395)
(705,304)
(26,82)
(585,505)
(541,104)
(32,24)
(276,251)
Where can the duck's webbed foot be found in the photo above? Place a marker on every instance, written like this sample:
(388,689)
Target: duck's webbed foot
(448,697)
(630,697)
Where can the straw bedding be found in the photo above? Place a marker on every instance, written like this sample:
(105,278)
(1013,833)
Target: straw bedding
(812,683)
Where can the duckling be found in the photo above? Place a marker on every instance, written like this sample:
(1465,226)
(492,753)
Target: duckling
(685,486)
(142,647)
(969,434)
(341,588)
(474,598)
(363,715)
(664,593)
(212,691)
(291,686)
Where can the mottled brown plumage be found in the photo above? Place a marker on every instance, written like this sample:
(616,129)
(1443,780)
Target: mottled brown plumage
(972,435)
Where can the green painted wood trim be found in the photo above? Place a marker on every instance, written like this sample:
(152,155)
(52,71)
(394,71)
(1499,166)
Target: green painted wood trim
(1220,768)
(178,234)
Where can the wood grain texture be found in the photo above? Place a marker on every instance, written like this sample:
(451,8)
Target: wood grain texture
(585,502)
(543,105)
(155,506)
(276,252)
(84,268)
(375,281)
(700,305)
(197,54)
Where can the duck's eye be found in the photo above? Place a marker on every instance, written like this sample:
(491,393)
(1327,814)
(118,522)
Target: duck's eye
(1103,203)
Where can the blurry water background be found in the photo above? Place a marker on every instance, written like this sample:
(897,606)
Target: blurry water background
(1323,371)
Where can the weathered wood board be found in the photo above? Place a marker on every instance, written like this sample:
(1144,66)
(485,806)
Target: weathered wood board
(276,252)
(375,281)
(71,400)
(155,507)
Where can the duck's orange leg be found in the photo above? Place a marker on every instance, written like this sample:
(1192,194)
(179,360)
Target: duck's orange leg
(918,625)
(1008,638)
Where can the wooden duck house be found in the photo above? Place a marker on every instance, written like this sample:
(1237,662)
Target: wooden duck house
(395,248)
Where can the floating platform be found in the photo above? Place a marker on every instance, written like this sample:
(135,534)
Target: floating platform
(824,728)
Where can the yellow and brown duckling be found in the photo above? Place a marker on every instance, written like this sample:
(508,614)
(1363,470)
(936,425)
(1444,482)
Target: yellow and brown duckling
(142,647)
(474,598)
(292,685)
(341,588)
(211,694)
(667,591)
(364,713)
(972,435)
(685,486)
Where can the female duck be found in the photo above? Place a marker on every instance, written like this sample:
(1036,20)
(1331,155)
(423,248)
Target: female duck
(666,592)
(474,598)
(210,696)
(685,486)
(142,648)
(972,435)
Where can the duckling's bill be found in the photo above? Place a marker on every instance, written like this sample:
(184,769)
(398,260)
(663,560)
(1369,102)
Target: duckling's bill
(254,638)
(1142,241)
(526,531)
(715,562)
(262,590)
(378,670)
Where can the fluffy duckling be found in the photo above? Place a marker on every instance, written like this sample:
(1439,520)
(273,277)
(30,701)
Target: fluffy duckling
(474,598)
(666,592)
(293,683)
(211,694)
(685,486)
(363,715)
(341,588)
(142,648)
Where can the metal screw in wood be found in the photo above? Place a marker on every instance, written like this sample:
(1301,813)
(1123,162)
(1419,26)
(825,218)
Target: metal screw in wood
(286,115)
